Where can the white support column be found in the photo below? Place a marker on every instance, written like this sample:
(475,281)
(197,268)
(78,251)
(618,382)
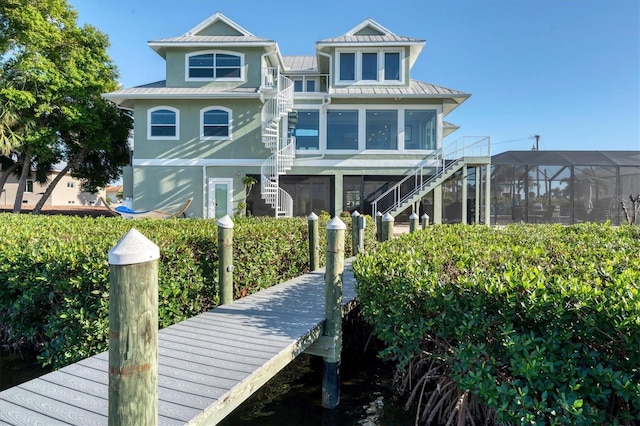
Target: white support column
(487,195)
(478,204)
(465,184)
(437,204)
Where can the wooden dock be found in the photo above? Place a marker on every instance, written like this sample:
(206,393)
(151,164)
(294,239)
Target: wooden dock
(207,365)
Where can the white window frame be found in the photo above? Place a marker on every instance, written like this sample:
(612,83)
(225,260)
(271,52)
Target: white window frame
(304,80)
(150,111)
(362,128)
(229,123)
(214,52)
(381,69)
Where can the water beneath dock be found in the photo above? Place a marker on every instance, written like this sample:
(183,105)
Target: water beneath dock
(293,396)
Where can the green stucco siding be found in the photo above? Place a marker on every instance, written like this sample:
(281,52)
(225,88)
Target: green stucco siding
(246,128)
(158,187)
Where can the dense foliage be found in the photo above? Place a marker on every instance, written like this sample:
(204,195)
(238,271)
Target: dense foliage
(53,73)
(526,324)
(55,274)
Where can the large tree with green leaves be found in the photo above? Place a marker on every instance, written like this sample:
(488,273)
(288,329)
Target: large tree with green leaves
(53,75)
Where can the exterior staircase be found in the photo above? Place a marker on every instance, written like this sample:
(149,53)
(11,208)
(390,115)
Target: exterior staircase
(278,103)
(432,172)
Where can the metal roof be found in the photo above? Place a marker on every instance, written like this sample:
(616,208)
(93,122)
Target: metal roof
(371,39)
(222,39)
(416,88)
(563,158)
(300,63)
(158,90)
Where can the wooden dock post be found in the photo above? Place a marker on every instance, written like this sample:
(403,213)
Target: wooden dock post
(413,222)
(314,242)
(133,331)
(387,227)
(425,221)
(333,311)
(355,234)
(225,259)
(378,226)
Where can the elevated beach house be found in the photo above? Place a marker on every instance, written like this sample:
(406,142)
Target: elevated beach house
(334,131)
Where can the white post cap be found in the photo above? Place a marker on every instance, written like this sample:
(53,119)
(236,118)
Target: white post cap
(132,249)
(225,222)
(336,224)
(388,218)
(312,216)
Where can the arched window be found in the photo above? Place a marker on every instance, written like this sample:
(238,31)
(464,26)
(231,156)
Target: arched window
(163,123)
(215,123)
(226,66)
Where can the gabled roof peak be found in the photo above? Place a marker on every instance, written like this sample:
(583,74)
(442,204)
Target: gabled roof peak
(218,17)
(369,27)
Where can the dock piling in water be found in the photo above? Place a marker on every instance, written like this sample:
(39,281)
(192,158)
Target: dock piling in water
(333,311)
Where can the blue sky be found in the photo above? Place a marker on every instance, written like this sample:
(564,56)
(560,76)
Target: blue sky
(567,70)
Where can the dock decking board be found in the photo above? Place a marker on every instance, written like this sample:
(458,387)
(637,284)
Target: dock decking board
(207,365)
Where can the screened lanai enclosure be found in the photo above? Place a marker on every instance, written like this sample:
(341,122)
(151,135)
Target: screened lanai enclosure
(563,186)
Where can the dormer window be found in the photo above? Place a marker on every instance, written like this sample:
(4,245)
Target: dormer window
(369,67)
(207,66)
(392,66)
(347,66)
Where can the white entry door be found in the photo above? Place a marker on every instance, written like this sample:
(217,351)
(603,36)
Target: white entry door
(219,197)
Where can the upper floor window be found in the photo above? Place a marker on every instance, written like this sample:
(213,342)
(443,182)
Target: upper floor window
(370,66)
(342,129)
(375,66)
(420,129)
(305,84)
(215,123)
(347,66)
(382,129)
(215,66)
(307,131)
(163,123)
(392,66)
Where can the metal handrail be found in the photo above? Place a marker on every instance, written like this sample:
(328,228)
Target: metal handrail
(274,108)
(440,161)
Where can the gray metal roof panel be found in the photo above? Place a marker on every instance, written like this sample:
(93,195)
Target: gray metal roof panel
(370,39)
(159,88)
(300,63)
(416,88)
(186,39)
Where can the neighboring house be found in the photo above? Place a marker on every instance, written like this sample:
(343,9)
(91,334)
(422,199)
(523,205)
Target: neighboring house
(328,132)
(66,193)
(114,193)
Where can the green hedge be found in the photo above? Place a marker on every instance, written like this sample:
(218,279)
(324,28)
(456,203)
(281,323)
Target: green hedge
(55,274)
(530,324)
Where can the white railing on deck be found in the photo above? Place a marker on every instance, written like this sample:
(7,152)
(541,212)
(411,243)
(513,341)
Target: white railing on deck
(270,77)
(429,169)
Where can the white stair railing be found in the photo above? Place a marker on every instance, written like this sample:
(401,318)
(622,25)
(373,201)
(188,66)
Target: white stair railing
(283,148)
(434,166)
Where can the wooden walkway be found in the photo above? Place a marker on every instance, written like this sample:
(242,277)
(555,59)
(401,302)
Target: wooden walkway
(207,365)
